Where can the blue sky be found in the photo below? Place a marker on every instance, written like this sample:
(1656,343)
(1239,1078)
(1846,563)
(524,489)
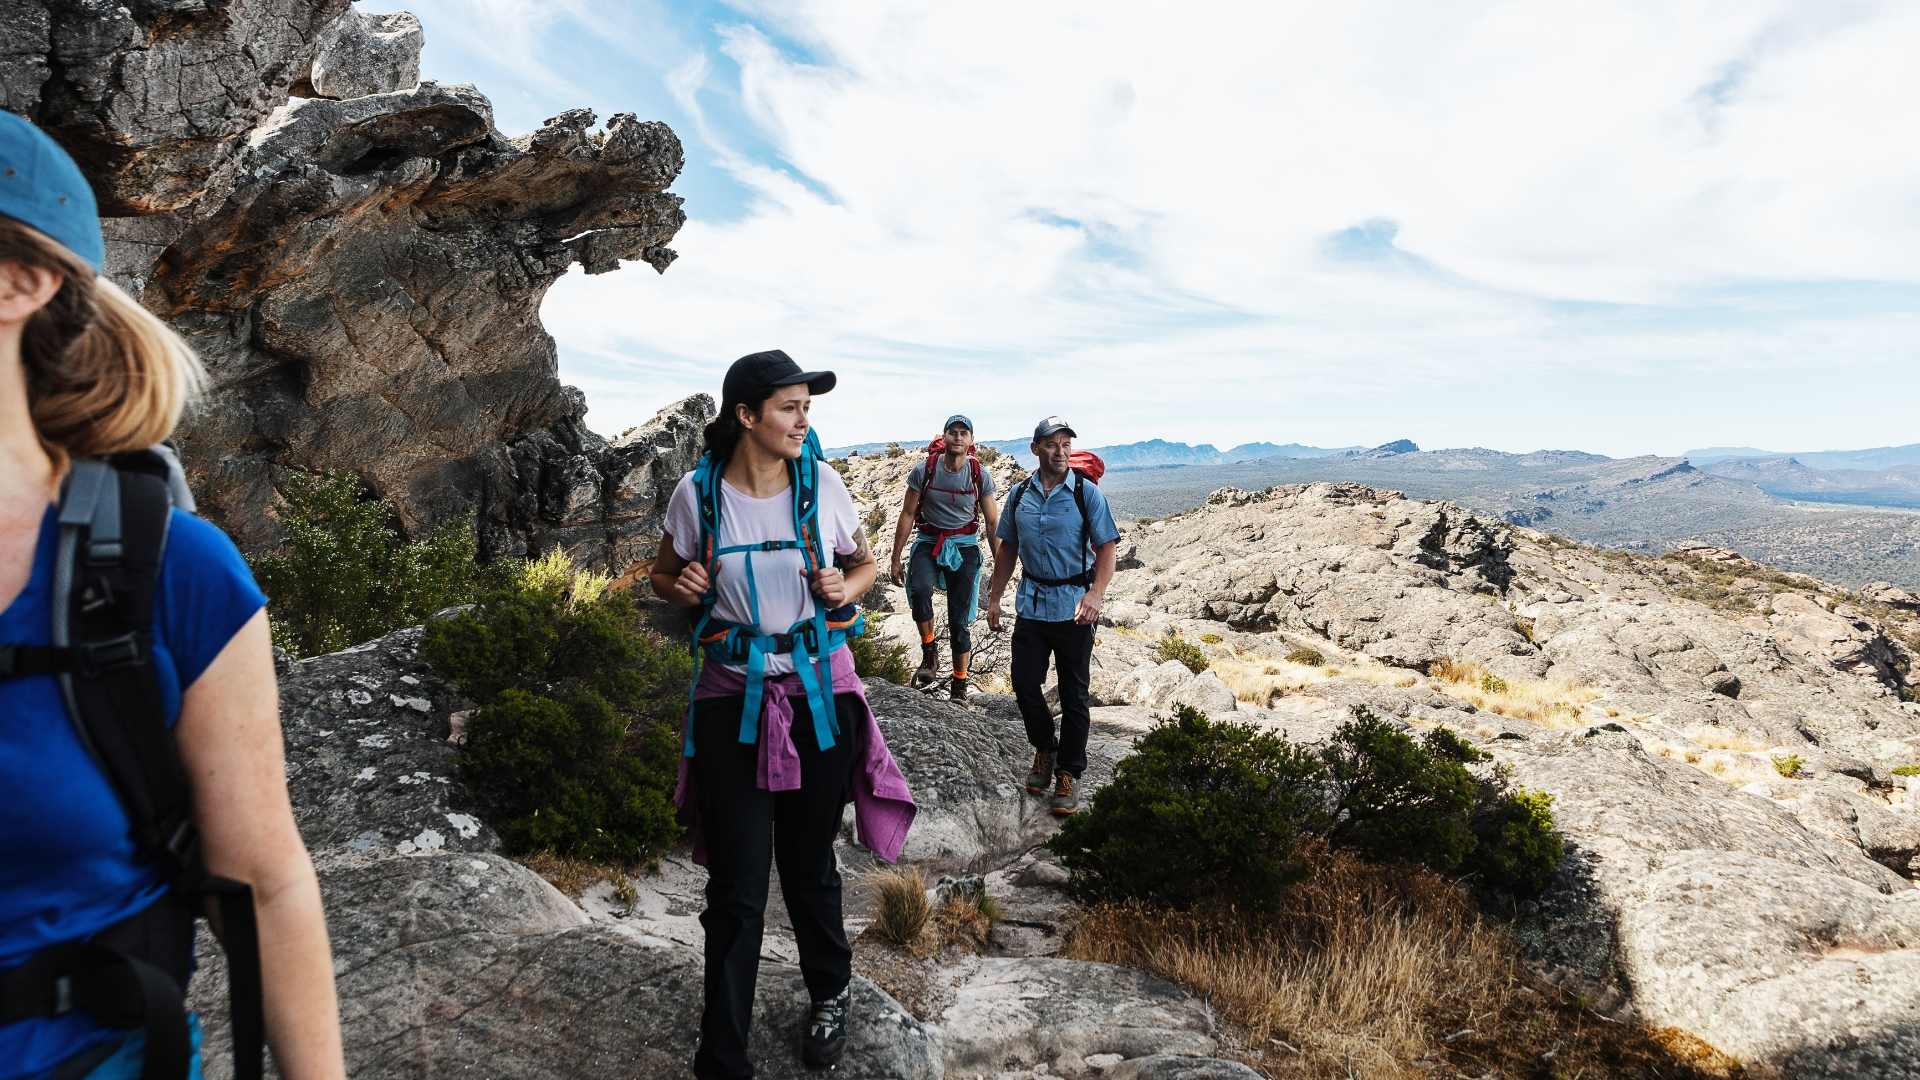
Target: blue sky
(1619,228)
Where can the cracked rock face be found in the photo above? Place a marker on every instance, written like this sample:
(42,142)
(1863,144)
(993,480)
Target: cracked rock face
(360,259)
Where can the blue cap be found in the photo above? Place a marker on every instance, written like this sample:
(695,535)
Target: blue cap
(41,187)
(956,418)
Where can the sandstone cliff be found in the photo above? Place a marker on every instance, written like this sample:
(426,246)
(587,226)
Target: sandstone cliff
(360,258)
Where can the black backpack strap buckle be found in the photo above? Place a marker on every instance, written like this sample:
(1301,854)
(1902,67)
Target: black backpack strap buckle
(99,657)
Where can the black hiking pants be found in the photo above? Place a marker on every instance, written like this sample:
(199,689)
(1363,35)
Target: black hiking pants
(745,828)
(1070,646)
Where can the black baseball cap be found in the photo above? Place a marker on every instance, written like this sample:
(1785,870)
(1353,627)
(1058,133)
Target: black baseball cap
(1052,425)
(754,374)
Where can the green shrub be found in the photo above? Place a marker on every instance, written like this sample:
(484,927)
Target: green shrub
(1213,813)
(895,450)
(1516,848)
(1175,647)
(874,658)
(987,455)
(1789,765)
(574,744)
(346,574)
(1910,693)
(1492,684)
(1907,770)
(1201,812)
(1210,639)
(1397,800)
(1300,654)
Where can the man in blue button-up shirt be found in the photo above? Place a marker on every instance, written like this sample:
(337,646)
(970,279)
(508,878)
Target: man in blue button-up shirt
(1059,525)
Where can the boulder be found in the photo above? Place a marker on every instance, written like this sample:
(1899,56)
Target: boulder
(363,53)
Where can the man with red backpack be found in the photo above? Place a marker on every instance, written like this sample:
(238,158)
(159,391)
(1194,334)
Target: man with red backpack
(946,495)
(1058,524)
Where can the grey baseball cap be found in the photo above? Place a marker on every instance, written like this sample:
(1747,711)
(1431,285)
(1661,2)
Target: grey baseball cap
(1052,425)
(956,418)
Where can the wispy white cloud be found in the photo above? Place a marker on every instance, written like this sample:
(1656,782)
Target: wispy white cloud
(1129,212)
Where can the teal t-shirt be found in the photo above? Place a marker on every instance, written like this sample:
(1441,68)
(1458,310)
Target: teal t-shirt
(67,866)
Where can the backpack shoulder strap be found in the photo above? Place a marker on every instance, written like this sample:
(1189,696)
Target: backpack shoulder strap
(1086,523)
(113,535)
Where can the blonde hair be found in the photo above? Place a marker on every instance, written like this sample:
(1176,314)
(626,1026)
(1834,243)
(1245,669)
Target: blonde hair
(103,373)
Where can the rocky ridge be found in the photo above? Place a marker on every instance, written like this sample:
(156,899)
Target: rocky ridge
(360,258)
(1720,738)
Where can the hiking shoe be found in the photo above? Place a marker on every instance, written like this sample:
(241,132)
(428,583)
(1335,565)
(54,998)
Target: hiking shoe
(1041,774)
(929,668)
(1065,799)
(957,690)
(826,1037)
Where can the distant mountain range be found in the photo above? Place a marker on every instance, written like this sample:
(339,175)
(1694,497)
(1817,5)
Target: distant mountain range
(1883,457)
(1160,453)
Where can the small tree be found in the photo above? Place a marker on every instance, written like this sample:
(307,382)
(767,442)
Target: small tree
(346,574)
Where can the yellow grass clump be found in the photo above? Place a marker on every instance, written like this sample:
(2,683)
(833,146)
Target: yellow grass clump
(1380,972)
(1549,703)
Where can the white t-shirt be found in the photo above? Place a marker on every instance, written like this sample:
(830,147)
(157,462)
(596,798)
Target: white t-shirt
(786,596)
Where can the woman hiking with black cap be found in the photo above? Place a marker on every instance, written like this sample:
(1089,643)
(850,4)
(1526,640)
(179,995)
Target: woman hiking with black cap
(764,543)
(141,749)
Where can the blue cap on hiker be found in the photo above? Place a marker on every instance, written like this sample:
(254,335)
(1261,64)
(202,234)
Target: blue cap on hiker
(755,373)
(1050,426)
(41,188)
(956,418)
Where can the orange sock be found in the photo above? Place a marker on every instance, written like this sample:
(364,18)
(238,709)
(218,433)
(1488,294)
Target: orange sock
(926,637)
(959,674)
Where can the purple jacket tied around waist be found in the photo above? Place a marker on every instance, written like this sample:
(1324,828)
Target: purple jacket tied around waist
(882,806)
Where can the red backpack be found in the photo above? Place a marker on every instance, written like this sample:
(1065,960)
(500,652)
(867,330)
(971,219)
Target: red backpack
(1086,467)
(935,450)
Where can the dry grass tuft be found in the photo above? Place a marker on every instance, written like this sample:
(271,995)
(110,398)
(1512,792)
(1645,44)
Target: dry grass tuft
(904,912)
(1545,702)
(1381,972)
(575,876)
(1258,679)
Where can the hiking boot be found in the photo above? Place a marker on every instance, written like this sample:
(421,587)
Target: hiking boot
(826,1038)
(1065,799)
(1041,774)
(957,690)
(929,668)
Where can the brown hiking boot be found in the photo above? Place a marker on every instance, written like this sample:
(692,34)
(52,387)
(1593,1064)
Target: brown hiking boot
(1065,799)
(1041,773)
(929,668)
(957,690)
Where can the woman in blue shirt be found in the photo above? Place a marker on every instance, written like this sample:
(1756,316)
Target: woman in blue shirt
(85,371)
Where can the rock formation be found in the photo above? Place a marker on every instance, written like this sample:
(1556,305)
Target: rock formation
(1721,739)
(360,258)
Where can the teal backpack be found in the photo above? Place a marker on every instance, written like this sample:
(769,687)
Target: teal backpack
(811,641)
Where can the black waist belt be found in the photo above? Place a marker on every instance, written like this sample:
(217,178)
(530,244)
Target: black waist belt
(1084,579)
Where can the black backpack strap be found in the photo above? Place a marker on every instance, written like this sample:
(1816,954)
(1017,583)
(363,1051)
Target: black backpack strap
(114,518)
(1086,529)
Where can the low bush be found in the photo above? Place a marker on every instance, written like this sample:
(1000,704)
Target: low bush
(1175,647)
(346,574)
(1206,813)
(1492,684)
(1789,765)
(1200,813)
(1301,654)
(1210,639)
(1907,770)
(574,745)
